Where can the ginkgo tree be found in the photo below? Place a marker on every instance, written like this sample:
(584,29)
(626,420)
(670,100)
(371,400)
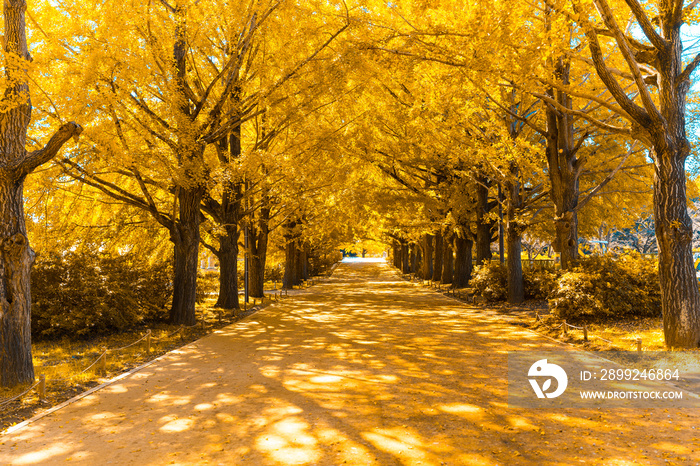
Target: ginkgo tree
(16,162)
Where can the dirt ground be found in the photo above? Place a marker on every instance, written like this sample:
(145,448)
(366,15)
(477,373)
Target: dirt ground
(362,369)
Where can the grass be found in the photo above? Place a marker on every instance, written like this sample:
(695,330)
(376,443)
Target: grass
(63,362)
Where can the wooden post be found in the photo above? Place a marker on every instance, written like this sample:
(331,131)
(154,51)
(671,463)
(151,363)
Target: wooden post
(639,344)
(148,340)
(563,326)
(42,387)
(255,302)
(103,360)
(585,333)
(537,316)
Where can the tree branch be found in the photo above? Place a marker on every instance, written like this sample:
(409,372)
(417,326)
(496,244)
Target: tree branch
(641,17)
(49,151)
(685,75)
(609,19)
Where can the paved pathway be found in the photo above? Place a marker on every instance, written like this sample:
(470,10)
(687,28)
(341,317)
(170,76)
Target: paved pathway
(363,369)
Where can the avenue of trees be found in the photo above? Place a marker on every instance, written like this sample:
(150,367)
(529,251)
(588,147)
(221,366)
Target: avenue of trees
(167,128)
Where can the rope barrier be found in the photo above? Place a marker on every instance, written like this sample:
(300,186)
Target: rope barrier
(573,326)
(10,400)
(95,362)
(130,345)
(601,338)
(170,335)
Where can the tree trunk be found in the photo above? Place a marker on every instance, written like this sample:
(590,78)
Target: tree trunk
(416,258)
(514,232)
(427,247)
(419,258)
(483,225)
(16,258)
(437,256)
(396,248)
(680,299)
(516,286)
(405,258)
(228,270)
(185,237)
(447,261)
(304,262)
(257,239)
(463,262)
(564,169)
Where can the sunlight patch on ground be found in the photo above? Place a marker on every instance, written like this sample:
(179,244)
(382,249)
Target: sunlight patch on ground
(165,398)
(400,443)
(116,388)
(462,409)
(177,425)
(40,457)
(476,460)
(288,442)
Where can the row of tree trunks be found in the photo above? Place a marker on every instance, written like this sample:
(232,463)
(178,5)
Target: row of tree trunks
(455,263)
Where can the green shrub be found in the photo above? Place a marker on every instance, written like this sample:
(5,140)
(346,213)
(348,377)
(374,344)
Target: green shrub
(490,281)
(606,287)
(539,283)
(80,293)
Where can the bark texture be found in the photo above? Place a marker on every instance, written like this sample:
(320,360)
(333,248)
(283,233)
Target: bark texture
(463,261)
(185,237)
(228,269)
